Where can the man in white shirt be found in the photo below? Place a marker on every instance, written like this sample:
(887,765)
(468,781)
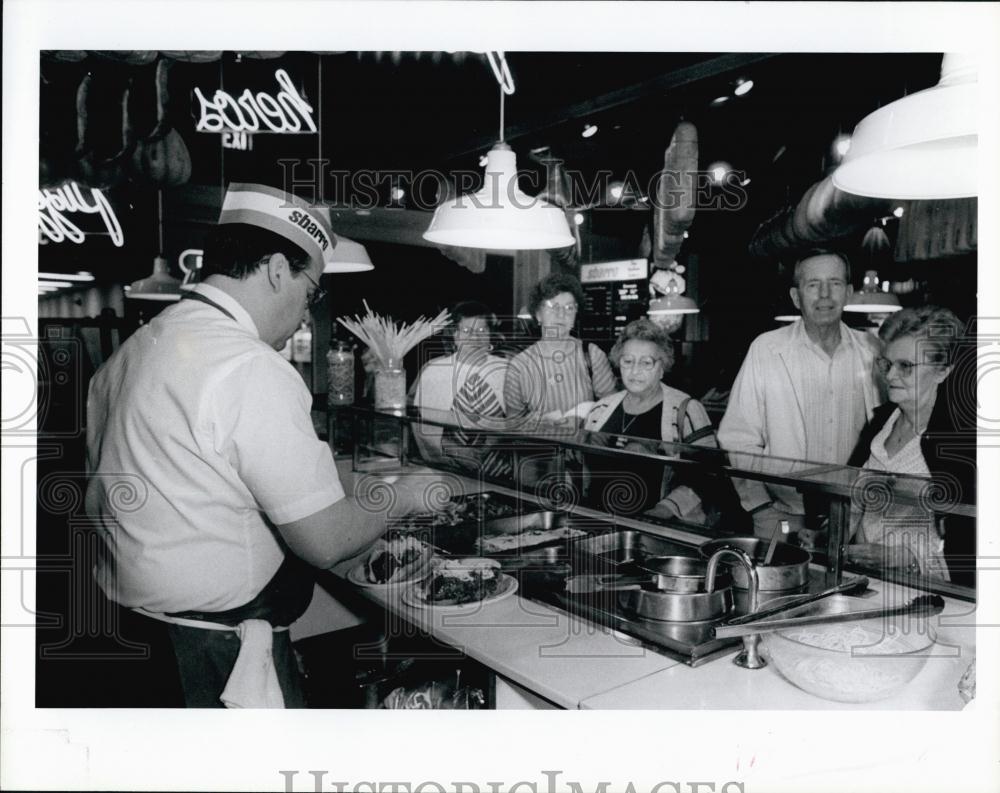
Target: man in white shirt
(207,478)
(803,392)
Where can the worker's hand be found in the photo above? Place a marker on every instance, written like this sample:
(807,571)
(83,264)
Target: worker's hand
(413,491)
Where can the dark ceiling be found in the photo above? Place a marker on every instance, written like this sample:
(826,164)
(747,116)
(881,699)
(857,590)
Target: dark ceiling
(413,111)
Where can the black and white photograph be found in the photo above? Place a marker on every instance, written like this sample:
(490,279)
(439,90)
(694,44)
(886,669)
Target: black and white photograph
(643,368)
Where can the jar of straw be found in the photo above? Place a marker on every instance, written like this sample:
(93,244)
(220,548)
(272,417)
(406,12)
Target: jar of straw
(390,386)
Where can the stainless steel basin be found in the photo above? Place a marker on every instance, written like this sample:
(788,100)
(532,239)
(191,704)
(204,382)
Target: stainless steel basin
(628,545)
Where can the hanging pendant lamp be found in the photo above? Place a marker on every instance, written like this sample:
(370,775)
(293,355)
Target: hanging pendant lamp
(161,285)
(348,257)
(922,146)
(872,300)
(500,215)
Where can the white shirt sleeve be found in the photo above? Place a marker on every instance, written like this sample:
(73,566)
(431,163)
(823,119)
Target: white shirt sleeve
(265,429)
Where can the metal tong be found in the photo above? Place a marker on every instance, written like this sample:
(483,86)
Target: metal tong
(849,587)
(921,606)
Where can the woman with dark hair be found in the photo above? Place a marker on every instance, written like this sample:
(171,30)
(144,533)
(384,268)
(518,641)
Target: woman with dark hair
(916,433)
(648,408)
(556,377)
(468,381)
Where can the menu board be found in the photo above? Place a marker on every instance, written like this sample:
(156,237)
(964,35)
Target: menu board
(614,294)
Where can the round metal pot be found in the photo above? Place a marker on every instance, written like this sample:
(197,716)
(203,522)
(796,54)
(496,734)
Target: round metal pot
(677,573)
(676,606)
(789,567)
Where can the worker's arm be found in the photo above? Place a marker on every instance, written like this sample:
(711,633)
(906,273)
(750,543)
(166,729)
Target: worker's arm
(342,529)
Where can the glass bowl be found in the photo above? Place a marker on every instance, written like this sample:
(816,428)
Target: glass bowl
(858,661)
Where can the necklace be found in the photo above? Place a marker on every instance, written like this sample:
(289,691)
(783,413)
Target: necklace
(629,423)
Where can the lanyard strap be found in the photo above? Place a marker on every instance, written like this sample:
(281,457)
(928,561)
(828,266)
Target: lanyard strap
(209,301)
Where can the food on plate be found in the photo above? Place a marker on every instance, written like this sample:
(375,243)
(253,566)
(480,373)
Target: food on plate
(498,543)
(395,559)
(467,509)
(464,581)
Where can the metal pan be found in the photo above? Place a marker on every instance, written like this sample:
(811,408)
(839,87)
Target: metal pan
(676,606)
(789,567)
(675,573)
(654,573)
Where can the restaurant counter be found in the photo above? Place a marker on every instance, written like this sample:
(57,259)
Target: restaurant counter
(545,657)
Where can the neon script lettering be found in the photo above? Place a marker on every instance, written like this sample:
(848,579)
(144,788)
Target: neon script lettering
(54,204)
(287,111)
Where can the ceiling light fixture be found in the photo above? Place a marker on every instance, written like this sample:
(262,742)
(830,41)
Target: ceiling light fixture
(922,146)
(743,87)
(55,284)
(589,131)
(161,285)
(719,171)
(871,300)
(500,216)
(483,160)
(578,218)
(673,302)
(719,100)
(348,257)
(841,145)
(898,212)
(81,275)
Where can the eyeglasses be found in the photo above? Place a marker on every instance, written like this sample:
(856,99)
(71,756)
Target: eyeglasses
(905,368)
(644,364)
(559,308)
(318,294)
(472,330)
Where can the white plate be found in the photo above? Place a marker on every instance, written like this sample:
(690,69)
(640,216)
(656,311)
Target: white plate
(356,575)
(416,596)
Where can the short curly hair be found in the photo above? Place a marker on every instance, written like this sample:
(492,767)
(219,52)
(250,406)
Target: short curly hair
(553,285)
(645,330)
(939,326)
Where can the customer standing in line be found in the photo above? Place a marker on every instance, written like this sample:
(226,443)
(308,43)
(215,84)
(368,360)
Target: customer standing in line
(803,392)
(916,433)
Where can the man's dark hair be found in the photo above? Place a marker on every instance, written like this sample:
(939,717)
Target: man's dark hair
(553,285)
(812,254)
(238,249)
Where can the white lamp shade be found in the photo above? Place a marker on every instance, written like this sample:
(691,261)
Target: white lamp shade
(348,257)
(923,146)
(873,303)
(672,304)
(158,286)
(500,216)
(787,317)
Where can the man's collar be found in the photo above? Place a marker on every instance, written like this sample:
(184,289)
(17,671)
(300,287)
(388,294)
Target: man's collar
(231,305)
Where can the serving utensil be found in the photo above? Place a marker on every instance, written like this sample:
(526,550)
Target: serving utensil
(779,528)
(850,587)
(921,606)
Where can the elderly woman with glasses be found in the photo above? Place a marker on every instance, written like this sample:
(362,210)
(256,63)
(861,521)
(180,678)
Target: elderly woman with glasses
(648,408)
(557,378)
(916,433)
(468,382)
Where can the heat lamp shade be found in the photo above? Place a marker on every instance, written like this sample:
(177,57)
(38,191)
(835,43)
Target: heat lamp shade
(672,304)
(873,303)
(499,216)
(159,286)
(348,257)
(923,146)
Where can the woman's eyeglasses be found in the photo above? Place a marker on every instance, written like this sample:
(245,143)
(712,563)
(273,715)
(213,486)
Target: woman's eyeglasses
(905,368)
(560,308)
(644,364)
(318,294)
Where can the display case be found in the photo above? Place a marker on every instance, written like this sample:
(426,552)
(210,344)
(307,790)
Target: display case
(562,468)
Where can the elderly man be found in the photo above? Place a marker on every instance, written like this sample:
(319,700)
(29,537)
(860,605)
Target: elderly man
(207,478)
(804,391)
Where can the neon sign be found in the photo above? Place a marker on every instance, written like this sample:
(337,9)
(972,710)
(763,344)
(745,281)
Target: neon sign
(54,204)
(286,111)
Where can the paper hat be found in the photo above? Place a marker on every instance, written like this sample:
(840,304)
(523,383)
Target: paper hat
(282,213)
